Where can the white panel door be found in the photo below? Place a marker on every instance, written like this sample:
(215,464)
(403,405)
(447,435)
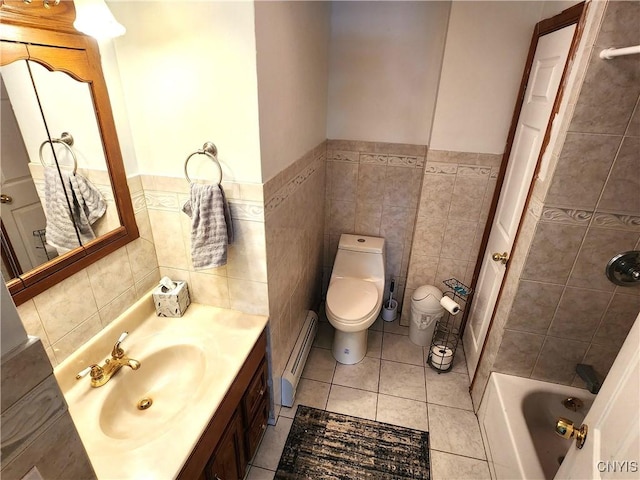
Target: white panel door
(544,81)
(612,446)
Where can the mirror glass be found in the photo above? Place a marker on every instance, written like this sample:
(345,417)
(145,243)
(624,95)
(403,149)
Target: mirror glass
(52,210)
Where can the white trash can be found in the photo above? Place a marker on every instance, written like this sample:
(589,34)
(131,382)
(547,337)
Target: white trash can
(425,312)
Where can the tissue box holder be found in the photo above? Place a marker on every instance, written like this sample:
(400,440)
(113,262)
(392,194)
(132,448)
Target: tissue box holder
(172,303)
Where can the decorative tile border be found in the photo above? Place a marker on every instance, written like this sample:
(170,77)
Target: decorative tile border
(161,200)
(138,201)
(393,160)
(571,216)
(568,216)
(341,156)
(473,171)
(438,168)
(292,185)
(535,207)
(374,159)
(246,210)
(627,222)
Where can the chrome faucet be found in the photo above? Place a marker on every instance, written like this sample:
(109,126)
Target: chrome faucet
(101,374)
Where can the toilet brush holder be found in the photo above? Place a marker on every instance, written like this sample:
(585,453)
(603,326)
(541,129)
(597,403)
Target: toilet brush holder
(390,310)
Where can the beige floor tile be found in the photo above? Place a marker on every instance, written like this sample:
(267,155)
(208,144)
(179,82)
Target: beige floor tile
(403,412)
(320,365)
(402,380)
(270,449)
(377,325)
(363,375)
(374,344)
(324,335)
(310,393)
(257,473)
(445,466)
(351,401)
(455,431)
(398,348)
(450,389)
(395,327)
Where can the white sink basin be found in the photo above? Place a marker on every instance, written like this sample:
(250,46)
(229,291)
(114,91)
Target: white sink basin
(145,400)
(187,365)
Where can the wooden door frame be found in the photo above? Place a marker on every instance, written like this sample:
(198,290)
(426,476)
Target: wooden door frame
(573,15)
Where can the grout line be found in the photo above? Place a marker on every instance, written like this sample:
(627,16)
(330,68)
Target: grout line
(455,454)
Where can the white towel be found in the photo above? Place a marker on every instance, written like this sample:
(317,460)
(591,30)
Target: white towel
(66,229)
(211,227)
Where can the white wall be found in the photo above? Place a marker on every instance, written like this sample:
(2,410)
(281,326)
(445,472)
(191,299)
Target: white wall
(385,62)
(486,50)
(292,41)
(12,333)
(188,73)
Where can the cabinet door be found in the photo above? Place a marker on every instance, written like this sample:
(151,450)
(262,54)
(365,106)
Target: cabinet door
(228,461)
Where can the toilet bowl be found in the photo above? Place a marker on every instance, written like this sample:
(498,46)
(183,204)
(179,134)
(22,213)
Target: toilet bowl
(355,294)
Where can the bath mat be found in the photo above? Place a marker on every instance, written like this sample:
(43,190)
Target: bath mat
(326,445)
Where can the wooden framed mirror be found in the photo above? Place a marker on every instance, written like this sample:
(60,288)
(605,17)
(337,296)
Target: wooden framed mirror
(39,38)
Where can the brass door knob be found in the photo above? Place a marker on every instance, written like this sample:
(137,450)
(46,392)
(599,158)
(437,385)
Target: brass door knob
(566,429)
(5,198)
(500,257)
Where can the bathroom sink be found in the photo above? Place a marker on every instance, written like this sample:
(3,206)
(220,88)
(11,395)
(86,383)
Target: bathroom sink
(144,423)
(139,403)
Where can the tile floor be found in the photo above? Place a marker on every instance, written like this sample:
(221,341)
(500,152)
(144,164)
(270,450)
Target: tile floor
(393,385)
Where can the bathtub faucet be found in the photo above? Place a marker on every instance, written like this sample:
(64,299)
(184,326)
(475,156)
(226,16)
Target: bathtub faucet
(588,374)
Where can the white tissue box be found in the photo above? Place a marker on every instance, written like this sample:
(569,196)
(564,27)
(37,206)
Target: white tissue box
(171,303)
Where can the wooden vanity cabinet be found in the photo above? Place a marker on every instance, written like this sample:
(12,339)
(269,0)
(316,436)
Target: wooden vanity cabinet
(233,434)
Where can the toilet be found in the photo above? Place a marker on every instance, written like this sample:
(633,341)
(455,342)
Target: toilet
(355,294)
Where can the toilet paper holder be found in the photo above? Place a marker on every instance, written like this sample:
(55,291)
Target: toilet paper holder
(446,335)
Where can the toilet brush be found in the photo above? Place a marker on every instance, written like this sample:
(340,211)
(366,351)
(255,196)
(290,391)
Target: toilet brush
(390,309)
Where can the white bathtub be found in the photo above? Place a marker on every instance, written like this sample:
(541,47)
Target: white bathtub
(517,420)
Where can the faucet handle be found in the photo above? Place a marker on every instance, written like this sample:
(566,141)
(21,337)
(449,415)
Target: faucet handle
(94,369)
(117,352)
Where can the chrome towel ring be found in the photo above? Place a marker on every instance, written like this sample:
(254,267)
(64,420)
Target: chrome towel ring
(65,139)
(210,150)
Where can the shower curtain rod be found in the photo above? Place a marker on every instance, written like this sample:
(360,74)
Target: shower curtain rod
(609,53)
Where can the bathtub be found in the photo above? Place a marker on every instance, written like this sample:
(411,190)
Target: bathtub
(517,419)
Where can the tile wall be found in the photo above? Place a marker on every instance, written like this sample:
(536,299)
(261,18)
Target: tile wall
(71,312)
(373,189)
(457,188)
(294,223)
(561,310)
(242,283)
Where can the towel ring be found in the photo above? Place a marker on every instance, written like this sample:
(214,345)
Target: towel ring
(65,139)
(211,151)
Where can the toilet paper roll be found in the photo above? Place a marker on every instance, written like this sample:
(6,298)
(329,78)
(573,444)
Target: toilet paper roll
(450,306)
(441,357)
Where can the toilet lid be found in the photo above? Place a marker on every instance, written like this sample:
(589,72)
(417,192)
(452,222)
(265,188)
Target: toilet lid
(351,299)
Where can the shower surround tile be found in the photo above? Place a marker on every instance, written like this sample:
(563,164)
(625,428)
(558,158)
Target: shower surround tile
(582,170)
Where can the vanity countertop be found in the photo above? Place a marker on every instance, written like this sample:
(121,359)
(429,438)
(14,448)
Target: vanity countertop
(190,363)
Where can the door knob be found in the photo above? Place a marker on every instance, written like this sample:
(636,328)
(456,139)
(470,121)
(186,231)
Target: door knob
(566,429)
(500,257)
(5,198)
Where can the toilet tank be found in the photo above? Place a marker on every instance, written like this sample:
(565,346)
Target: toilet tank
(360,256)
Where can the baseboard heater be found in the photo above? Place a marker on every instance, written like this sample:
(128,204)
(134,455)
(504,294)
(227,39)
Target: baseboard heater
(298,358)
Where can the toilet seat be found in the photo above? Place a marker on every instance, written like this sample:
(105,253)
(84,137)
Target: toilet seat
(351,299)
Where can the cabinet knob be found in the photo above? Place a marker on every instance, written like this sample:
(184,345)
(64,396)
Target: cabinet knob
(261,392)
